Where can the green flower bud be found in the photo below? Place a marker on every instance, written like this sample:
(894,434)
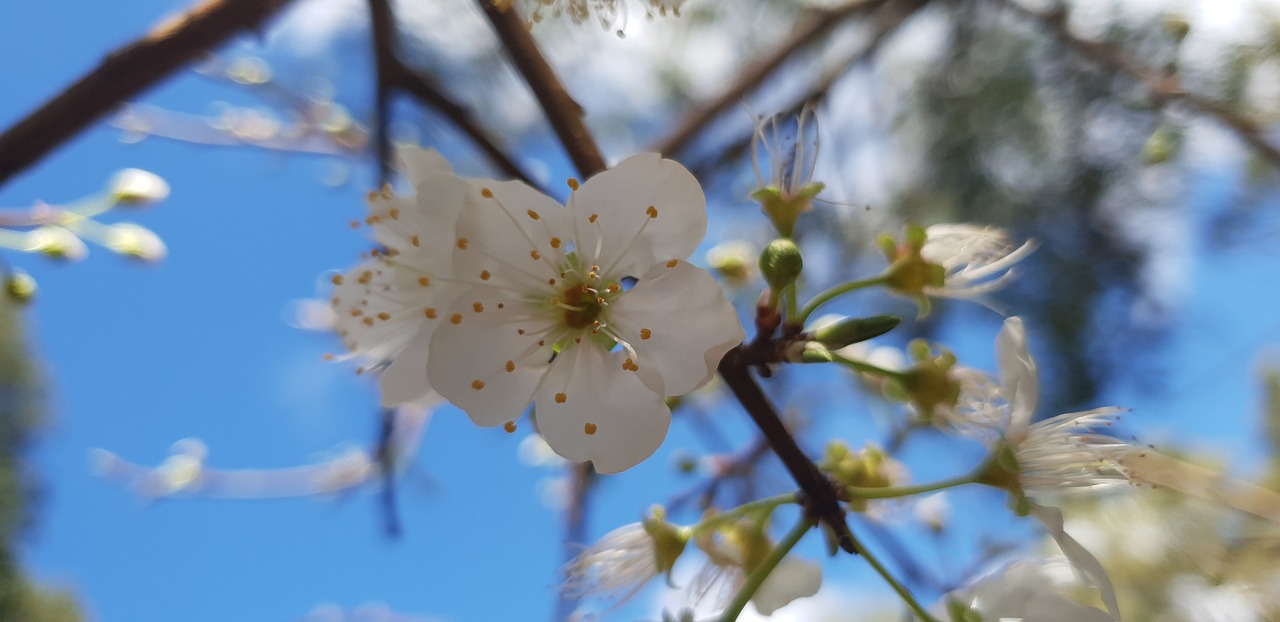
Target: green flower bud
(781,263)
(853,330)
(20,286)
(668,540)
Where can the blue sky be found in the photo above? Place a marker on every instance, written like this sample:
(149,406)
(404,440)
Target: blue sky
(136,357)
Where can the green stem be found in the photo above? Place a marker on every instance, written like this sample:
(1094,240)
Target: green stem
(906,491)
(868,368)
(791,302)
(757,577)
(760,505)
(902,591)
(838,290)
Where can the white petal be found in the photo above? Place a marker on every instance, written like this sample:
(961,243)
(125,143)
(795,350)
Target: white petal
(420,228)
(420,163)
(688,322)
(404,381)
(510,239)
(793,578)
(1087,566)
(621,197)
(590,408)
(1018,380)
(482,363)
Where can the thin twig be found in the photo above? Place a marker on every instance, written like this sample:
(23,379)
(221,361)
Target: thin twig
(564,114)
(124,74)
(384,56)
(811,31)
(1161,86)
(820,495)
(582,477)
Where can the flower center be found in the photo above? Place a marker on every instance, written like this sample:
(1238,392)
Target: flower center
(584,306)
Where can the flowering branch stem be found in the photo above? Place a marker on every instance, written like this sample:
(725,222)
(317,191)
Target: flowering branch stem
(867,368)
(820,496)
(124,74)
(767,504)
(771,561)
(562,111)
(834,292)
(903,593)
(858,492)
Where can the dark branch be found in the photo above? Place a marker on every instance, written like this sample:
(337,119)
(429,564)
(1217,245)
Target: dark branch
(562,111)
(125,74)
(820,494)
(582,478)
(384,57)
(812,31)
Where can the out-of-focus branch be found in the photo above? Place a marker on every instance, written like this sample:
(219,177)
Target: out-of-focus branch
(124,74)
(393,74)
(1161,86)
(581,479)
(564,114)
(812,30)
(820,494)
(885,22)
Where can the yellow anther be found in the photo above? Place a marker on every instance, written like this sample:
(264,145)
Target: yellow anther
(645,333)
(573,183)
(386,191)
(371,196)
(502,305)
(652,212)
(511,366)
(510,427)
(357,312)
(367,321)
(593,218)
(328,357)
(551,281)
(613,288)
(519,331)
(561,398)
(589,428)
(477,306)
(394,213)
(462,243)
(430,312)
(359,371)
(477,384)
(365,277)
(486,193)
(355,224)
(535,254)
(630,365)
(375,253)
(484,275)
(532,214)
(414,240)
(456,318)
(384,316)
(337,279)
(555,242)
(424,281)
(672,263)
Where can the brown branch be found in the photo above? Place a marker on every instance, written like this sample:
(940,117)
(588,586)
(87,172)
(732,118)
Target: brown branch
(383,31)
(582,478)
(820,494)
(564,114)
(126,73)
(812,30)
(1162,87)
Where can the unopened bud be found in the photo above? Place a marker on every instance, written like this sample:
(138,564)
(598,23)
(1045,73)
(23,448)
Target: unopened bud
(854,330)
(20,286)
(56,242)
(135,241)
(807,352)
(781,264)
(731,261)
(136,187)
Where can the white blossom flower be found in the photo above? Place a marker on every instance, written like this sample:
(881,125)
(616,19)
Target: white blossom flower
(626,559)
(1058,452)
(1027,591)
(388,307)
(551,318)
(788,153)
(977,260)
(136,187)
(726,572)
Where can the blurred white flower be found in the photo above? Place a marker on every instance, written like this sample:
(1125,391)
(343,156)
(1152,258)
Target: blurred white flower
(1027,590)
(136,187)
(977,260)
(388,307)
(787,150)
(134,241)
(547,318)
(727,567)
(623,561)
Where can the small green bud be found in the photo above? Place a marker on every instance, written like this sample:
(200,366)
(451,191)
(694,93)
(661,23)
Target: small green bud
(20,286)
(1162,145)
(731,261)
(808,352)
(854,330)
(781,263)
